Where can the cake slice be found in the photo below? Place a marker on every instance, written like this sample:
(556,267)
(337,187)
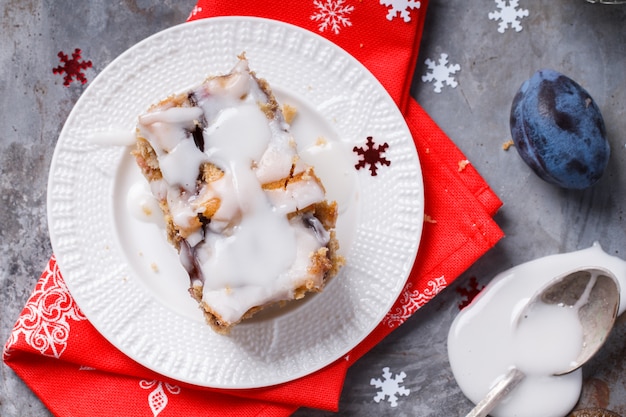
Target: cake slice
(249,218)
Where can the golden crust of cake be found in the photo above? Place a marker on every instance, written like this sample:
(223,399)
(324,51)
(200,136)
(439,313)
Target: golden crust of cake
(147,160)
(327,213)
(271,107)
(211,172)
(174,100)
(306,175)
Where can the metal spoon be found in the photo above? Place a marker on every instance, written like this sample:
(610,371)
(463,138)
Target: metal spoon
(596,293)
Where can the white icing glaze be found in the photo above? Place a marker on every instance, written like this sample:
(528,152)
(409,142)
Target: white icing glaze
(166,128)
(296,196)
(250,253)
(333,165)
(142,204)
(181,165)
(482,344)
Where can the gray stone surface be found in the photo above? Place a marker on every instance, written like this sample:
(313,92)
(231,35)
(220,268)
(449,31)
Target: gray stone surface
(586,42)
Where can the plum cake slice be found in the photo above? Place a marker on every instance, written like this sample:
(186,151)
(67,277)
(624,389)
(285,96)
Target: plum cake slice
(248,217)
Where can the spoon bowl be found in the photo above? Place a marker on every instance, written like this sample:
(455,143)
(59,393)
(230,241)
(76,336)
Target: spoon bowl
(595,293)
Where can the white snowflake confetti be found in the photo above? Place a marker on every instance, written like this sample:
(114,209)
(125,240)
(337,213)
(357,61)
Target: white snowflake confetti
(332,14)
(403,7)
(508,15)
(389,387)
(441,72)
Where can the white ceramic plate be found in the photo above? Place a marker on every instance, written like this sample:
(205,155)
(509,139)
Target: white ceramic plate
(127,279)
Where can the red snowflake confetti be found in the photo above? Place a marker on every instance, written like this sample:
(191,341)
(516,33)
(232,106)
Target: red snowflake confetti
(468,294)
(73,68)
(371,155)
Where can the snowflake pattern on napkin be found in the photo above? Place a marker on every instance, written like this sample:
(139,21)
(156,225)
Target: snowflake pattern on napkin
(157,398)
(334,15)
(412,300)
(46,320)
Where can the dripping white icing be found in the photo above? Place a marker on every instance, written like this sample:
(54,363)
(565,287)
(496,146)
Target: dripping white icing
(331,160)
(250,253)
(181,165)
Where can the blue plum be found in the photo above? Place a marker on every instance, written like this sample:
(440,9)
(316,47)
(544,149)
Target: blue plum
(558,130)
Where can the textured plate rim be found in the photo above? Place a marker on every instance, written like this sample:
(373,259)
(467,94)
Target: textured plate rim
(61,244)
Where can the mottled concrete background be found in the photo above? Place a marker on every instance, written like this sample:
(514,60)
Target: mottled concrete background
(586,42)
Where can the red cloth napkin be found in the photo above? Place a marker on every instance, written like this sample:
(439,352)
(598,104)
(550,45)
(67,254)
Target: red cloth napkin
(75,371)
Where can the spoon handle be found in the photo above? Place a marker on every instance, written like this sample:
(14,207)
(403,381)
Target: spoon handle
(497,393)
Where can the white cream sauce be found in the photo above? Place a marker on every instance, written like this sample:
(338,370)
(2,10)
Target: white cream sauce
(249,254)
(483,346)
(548,340)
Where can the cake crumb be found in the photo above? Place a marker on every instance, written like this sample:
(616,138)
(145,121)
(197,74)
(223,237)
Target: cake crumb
(154,267)
(462,164)
(321,141)
(506,145)
(428,219)
(289,112)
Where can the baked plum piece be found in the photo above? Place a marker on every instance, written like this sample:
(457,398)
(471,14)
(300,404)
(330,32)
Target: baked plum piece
(559,131)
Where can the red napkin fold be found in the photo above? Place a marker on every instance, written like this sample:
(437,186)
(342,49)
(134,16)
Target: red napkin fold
(75,371)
